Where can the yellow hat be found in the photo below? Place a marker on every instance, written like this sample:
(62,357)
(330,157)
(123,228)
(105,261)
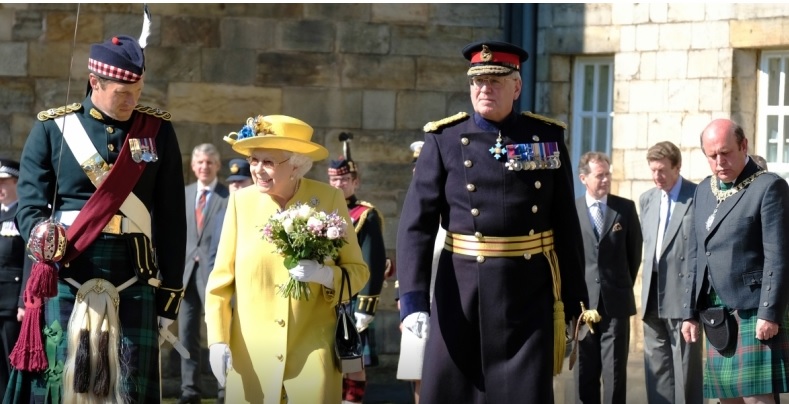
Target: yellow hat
(279,132)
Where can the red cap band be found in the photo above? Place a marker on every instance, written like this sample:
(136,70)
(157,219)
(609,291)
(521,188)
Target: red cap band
(496,57)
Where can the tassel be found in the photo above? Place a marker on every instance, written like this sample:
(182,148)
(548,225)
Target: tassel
(28,354)
(101,387)
(82,359)
(559,337)
(43,280)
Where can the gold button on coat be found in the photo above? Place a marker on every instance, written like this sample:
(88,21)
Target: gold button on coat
(534,209)
(538,184)
(281,322)
(464,140)
(110,129)
(478,235)
(480,259)
(535,138)
(527,256)
(468,163)
(111,147)
(475,212)
(471,187)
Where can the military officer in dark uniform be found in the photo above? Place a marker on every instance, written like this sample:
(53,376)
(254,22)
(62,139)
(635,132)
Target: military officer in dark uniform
(110,168)
(511,272)
(12,261)
(368,223)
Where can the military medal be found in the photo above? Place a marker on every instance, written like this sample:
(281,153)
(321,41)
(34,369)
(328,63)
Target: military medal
(135,149)
(496,150)
(148,150)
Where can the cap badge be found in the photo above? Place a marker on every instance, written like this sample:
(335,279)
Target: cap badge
(486,55)
(234,168)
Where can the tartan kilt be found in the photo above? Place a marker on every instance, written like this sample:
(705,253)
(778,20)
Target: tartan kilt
(369,352)
(106,258)
(753,367)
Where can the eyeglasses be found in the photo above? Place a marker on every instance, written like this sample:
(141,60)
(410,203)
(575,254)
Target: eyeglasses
(267,164)
(495,83)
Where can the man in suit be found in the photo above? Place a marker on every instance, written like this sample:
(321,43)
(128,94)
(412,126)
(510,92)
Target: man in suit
(13,258)
(204,198)
(612,244)
(672,367)
(741,229)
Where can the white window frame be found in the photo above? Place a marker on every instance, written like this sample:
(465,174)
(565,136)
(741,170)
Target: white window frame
(578,112)
(762,138)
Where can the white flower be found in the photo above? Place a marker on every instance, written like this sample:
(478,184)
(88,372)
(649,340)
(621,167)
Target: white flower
(304,212)
(332,233)
(287,224)
(314,223)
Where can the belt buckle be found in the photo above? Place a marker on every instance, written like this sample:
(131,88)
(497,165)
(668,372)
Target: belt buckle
(114,225)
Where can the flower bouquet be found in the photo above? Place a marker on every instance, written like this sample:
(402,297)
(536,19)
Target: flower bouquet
(303,233)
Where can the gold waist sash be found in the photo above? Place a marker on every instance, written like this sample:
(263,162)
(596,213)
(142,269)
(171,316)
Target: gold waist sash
(485,246)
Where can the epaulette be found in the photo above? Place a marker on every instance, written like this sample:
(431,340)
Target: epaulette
(365,203)
(436,125)
(545,119)
(159,113)
(53,113)
(363,216)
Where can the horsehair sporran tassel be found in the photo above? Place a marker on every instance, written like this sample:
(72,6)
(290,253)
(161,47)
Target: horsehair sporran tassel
(82,358)
(101,386)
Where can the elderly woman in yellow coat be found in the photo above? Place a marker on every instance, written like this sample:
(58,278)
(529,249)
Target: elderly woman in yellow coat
(274,349)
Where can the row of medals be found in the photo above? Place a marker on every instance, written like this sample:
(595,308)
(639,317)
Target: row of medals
(143,149)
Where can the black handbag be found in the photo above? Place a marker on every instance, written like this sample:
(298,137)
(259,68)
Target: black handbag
(720,325)
(347,342)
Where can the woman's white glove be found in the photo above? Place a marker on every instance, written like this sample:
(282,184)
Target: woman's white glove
(313,271)
(221,361)
(417,323)
(363,321)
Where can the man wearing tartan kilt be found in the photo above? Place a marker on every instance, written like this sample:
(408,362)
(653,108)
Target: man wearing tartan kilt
(117,187)
(368,223)
(739,238)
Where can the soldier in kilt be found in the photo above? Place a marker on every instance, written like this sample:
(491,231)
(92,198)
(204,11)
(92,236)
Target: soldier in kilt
(368,223)
(741,225)
(116,190)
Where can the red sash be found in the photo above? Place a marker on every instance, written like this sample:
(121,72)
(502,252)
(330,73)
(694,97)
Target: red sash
(357,211)
(109,196)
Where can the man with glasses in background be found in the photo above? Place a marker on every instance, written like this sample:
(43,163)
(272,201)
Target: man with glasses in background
(511,272)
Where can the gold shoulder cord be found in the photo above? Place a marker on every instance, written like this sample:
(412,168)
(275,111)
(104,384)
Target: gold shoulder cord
(53,113)
(159,113)
(436,125)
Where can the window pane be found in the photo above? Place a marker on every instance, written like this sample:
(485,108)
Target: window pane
(586,135)
(601,132)
(588,88)
(602,92)
(772,138)
(773,80)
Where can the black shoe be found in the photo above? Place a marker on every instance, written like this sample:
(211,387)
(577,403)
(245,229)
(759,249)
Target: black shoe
(189,400)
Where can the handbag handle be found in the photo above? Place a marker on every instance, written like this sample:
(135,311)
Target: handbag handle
(345,279)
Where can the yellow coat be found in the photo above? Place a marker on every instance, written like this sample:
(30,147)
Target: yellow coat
(278,345)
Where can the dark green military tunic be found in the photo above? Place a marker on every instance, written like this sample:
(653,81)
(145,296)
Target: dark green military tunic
(45,169)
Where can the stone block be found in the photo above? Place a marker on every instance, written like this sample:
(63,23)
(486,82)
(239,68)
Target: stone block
(560,101)
(305,35)
(216,103)
(233,66)
(564,40)
(378,72)
(561,68)
(298,69)
(648,67)
(51,93)
(338,12)
(680,12)
(720,11)
(542,69)
(755,33)
(702,64)
(180,31)
(621,96)
(600,39)
(630,13)
(28,26)
(596,14)
(711,95)
(268,10)
(181,64)
(372,147)
(488,33)
(653,96)
(674,36)
(59,27)
(754,11)
(467,15)
(325,108)
(458,102)
(357,37)
(672,65)
(416,108)
(400,13)
(440,74)
(378,110)
(745,62)
(21,124)
(246,33)
(683,95)
(658,12)
(108,8)
(664,126)
(713,34)
(6,24)
(431,40)
(744,94)
(568,15)
(625,130)
(626,65)
(647,37)
(13,59)
(191,134)
(627,38)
